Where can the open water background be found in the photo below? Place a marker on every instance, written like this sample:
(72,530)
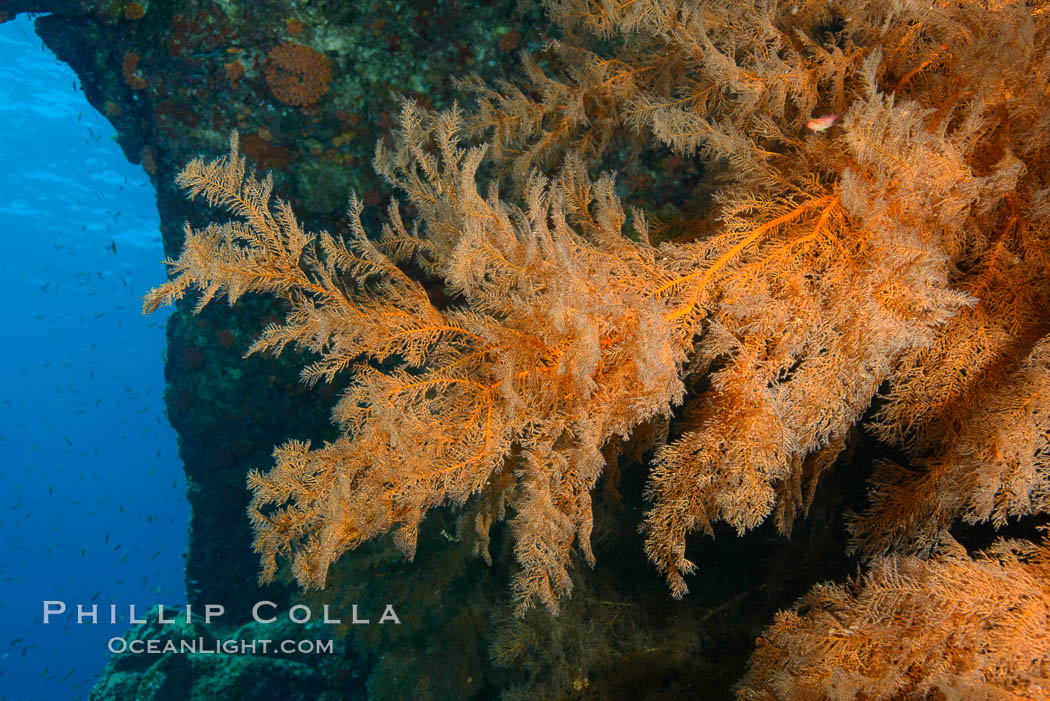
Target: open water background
(93,507)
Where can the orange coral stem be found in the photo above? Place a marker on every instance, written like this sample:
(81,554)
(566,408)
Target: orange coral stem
(725,258)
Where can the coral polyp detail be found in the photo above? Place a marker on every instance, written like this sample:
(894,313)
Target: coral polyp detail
(297,75)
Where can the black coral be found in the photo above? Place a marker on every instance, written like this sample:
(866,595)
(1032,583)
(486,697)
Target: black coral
(904,247)
(950,627)
(555,349)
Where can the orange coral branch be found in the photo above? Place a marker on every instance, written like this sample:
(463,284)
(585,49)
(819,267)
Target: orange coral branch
(707,274)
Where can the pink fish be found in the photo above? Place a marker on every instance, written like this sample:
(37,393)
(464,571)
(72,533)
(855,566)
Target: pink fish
(822,123)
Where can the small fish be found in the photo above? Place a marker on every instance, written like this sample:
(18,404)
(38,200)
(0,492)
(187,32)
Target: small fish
(822,123)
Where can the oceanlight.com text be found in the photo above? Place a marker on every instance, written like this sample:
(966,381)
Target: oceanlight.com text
(122,646)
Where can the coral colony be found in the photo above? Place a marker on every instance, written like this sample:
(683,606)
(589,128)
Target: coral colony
(874,256)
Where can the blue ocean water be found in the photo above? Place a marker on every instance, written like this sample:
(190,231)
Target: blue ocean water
(94,508)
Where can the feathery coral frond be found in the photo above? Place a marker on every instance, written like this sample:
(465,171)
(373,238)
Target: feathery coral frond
(903,247)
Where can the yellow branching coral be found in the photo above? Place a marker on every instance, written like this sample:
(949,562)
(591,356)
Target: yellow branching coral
(900,249)
(950,627)
(555,349)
